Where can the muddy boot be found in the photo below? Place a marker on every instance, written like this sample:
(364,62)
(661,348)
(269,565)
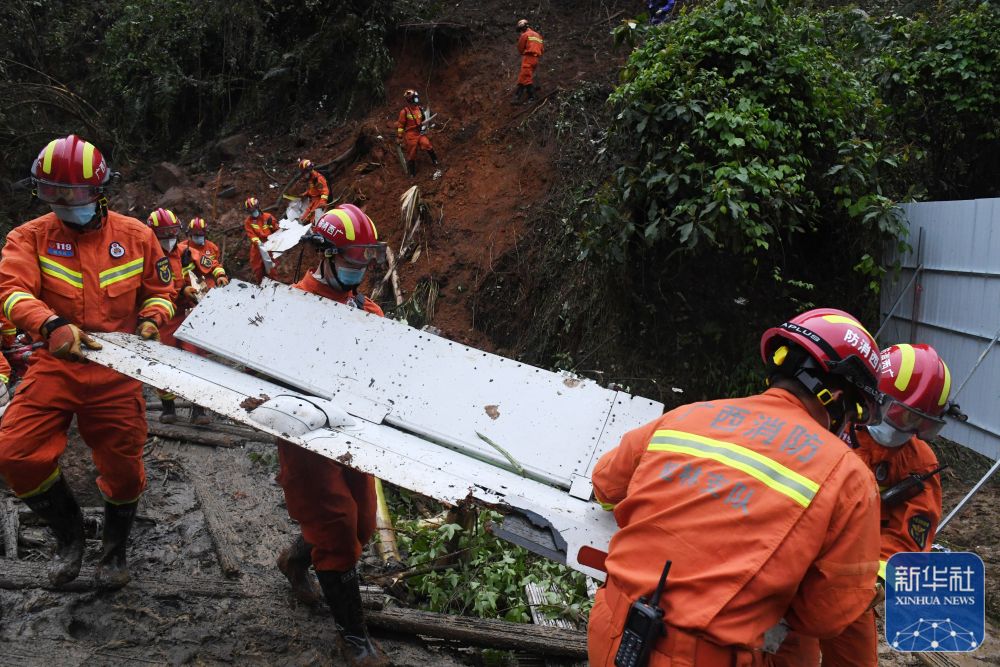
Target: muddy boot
(342,593)
(198,416)
(517,94)
(168,416)
(412,166)
(294,563)
(60,509)
(112,571)
(531,92)
(434,157)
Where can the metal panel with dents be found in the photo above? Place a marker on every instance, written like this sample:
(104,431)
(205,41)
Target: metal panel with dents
(558,525)
(548,426)
(954,305)
(290,230)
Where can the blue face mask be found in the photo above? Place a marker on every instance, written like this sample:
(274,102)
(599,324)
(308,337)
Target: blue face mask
(168,245)
(75,215)
(198,240)
(349,278)
(255,214)
(887,436)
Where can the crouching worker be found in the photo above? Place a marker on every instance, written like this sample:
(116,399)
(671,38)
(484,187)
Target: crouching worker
(763,511)
(79,268)
(334,505)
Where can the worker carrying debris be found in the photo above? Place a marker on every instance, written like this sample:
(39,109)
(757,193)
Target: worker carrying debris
(334,505)
(316,191)
(79,268)
(763,511)
(915,383)
(411,130)
(258,225)
(167,229)
(530,45)
(206,260)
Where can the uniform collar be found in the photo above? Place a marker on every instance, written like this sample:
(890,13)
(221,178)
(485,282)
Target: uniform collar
(311,284)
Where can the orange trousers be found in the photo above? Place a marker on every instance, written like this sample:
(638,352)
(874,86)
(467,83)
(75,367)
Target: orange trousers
(257,264)
(856,646)
(110,414)
(314,204)
(334,505)
(677,649)
(412,141)
(527,74)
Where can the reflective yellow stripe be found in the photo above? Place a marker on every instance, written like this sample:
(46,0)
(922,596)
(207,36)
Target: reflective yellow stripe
(160,302)
(47,159)
(946,389)
(607,507)
(347,222)
(906,364)
(840,319)
(56,270)
(768,471)
(121,272)
(13,299)
(218,271)
(7,332)
(4,378)
(88,159)
(375,231)
(881,569)
(535,39)
(44,486)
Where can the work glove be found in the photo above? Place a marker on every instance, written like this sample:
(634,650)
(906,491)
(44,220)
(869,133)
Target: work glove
(65,340)
(221,281)
(147,329)
(190,293)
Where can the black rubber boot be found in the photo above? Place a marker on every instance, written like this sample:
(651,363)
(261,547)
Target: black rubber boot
(168,416)
(60,509)
(294,563)
(112,571)
(517,94)
(412,165)
(434,157)
(531,92)
(198,416)
(343,594)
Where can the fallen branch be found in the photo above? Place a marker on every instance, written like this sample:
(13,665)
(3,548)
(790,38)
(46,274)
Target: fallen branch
(195,435)
(11,525)
(483,632)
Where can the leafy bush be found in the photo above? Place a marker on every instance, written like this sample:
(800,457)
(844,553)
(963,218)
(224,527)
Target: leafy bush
(489,575)
(746,133)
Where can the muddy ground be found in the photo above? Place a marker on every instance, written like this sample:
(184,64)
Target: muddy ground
(207,507)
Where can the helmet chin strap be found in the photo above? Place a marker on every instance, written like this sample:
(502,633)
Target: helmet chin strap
(834,407)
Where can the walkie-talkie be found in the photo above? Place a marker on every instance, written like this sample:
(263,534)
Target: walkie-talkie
(643,628)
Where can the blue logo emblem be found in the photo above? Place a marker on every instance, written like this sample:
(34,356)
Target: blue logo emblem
(935,602)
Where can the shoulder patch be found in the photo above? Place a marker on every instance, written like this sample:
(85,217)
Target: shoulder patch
(116,250)
(919,526)
(207,261)
(163,270)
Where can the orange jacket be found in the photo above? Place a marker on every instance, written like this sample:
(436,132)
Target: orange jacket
(206,260)
(764,514)
(8,333)
(100,280)
(911,525)
(410,118)
(310,284)
(530,43)
(258,229)
(317,188)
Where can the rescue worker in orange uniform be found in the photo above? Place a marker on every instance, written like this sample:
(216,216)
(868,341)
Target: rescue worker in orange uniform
(8,333)
(334,505)
(316,191)
(79,268)
(915,383)
(530,45)
(411,131)
(167,229)
(258,225)
(761,509)
(206,260)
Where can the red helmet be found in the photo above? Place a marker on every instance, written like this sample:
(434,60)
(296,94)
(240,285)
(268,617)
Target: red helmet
(69,172)
(251,203)
(164,223)
(522,25)
(305,165)
(916,384)
(410,95)
(833,343)
(348,232)
(197,226)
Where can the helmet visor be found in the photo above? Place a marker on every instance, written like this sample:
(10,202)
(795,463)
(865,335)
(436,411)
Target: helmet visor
(910,420)
(66,195)
(360,255)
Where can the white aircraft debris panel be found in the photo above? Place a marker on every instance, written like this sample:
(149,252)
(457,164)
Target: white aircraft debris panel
(290,230)
(543,425)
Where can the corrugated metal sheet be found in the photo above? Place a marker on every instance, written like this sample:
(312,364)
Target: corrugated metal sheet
(954,305)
